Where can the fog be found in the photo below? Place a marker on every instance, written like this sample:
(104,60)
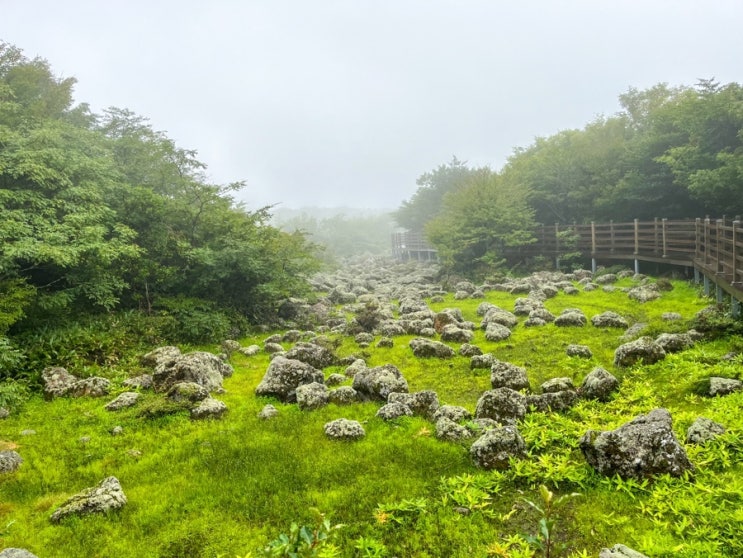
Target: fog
(345,103)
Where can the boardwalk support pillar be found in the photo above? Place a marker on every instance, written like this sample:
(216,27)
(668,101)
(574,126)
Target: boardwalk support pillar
(706,286)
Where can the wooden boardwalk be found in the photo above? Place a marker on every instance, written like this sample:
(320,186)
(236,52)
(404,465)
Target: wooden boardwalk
(713,248)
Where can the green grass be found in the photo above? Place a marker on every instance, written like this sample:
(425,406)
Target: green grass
(228,487)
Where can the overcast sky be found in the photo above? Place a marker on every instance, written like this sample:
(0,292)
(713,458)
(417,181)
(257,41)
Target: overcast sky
(347,102)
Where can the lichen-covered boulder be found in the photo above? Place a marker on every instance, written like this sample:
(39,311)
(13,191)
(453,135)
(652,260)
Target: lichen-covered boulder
(505,374)
(355,367)
(162,356)
(312,396)
(557,384)
(556,401)
(644,293)
(452,332)
(426,348)
(268,412)
(190,392)
(377,383)
(620,551)
(500,316)
(598,384)
(104,497)
(724,386)
(94,386)
(143,381)
(10,461)
(209,408)
(482,361)
(16,553)
(609,319)
(702,430)
(312,353)
(497,332)
(284,375)
(571,317)
(543,314)
(344,395)
(449,430)
(674,342)
(394,410)
(644,349)
(502,405)
(423,403)
(124,400)
(642,448)
(447,316)
(344,429)
(580,351)
(205,369)
(495,448)
(452,412)
(469,350)
(57,381)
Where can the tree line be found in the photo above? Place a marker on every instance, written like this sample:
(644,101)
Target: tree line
(100,212)
(673,152)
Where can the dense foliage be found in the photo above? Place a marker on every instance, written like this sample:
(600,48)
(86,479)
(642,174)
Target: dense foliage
(670,152)
(101,212)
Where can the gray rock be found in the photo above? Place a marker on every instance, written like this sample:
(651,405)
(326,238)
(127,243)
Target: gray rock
(316,355)
(28,432)
(620,551)
(422,403)
(451,332)
(377,383)
(385,343)
(448,316)
(502,405)
(448,430)
(205,369)
(187,392)
(10,461)
(90,387)
(117,430)
(335,379)
(500,316)
(534,322)
(671,316)
(161,357)
(634,331)
(312,396)
(605,279)
(57,381)
(16,553)
(468,350)
(209,408)
(643,349)
(143,381)
(284,375)
(542,314)
(703,430)
(724,386)
(495,448)
(344,429)
(644,293)
(580,351)
(344,395)
(273,348)
(482,361)
(124,400)
(642,448)
(363,339)
(483,308)
(598,384)
(497,332)
(357,366)
(427,348)
(252,350)
(291,336)
(104,497)
(4,413)
(556,401)
(505,374)
(394,410)
(557,384)
(268,412)
(609,319)
(230,346)
(452,412)
(674,342)
(571,317)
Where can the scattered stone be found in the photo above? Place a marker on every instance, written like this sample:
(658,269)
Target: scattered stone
(557,384)
(542,314)
(209,408)
(363,339)
(84,440)
(314,354)
(273,348)
(468,350)
(378,382)
(284,375)
(643,349)
(598,384)
(534,322)
(426,348)
(187,392)
(644,293)
(448,430)
(312,396)
(357,366)
(502,405)
(495,448)
(104,497)
(505,374)
(10,461)
(268,412)
(394,410)
(117,430)
(580,351)
(497,332)
(724,386)
(4,413)
(674,342)
(500,316)
(422,403)
(28,432)
(609,319)
(161,357)
(344,395)
(620,551)
(634,331)
(483,361)
(385,343)
(205,369)
(451,332)
(143,381)
(250,351)
(344,429)
(452,412)
(671,316)
(571,317)
(230,346)
(57,381)
(335,379)
(703,430)
(556,401)
(644,447)
(16,553)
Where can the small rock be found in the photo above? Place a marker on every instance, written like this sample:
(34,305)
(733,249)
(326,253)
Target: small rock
(644,349)
(344,395)
(344,429)
(394,410)
(724,386)
(598,384)
(117,431)
(10,461)
(495,448)
(620,551)
(143,381)
(209,408)
(703,430)
(580,351)
(16,553)
(312,396)
(126,399)
(187,391)
(28,432)
(102,498)
(268,412)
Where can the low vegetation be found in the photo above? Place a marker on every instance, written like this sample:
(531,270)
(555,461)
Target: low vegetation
(241,486)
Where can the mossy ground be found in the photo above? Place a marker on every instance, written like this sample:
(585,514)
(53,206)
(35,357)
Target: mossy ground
(227,487)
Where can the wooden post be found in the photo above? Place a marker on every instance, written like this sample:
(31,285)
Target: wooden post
(593,237)
(718,266)
(655,236)
(663,222)
(697,226)
(611,235)
(736,224)
(557,246)
(706,241)
(637,237)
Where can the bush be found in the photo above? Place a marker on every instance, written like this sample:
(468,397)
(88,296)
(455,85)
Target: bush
(192,320)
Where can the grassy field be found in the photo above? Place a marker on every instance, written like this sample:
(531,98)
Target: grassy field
(227,488)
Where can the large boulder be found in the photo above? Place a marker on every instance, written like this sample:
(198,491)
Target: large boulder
(10,461)
(394,410)
(312,396)
(284,375)
(161,357)
(209,408)
(505,374)
(314,354)
(94,386)
(674,342)
(425,348)
(644,349)
(452,332)
(642,448)
(609,319)
(205,369)
(422,403)
(124,400)
(344,429)
(57,381)
(500,316)
(449,430)
(377,383)
(495,448)
(104,497)
(598,384)
(502,405)
(497,332)
(571,317)
(556,401)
